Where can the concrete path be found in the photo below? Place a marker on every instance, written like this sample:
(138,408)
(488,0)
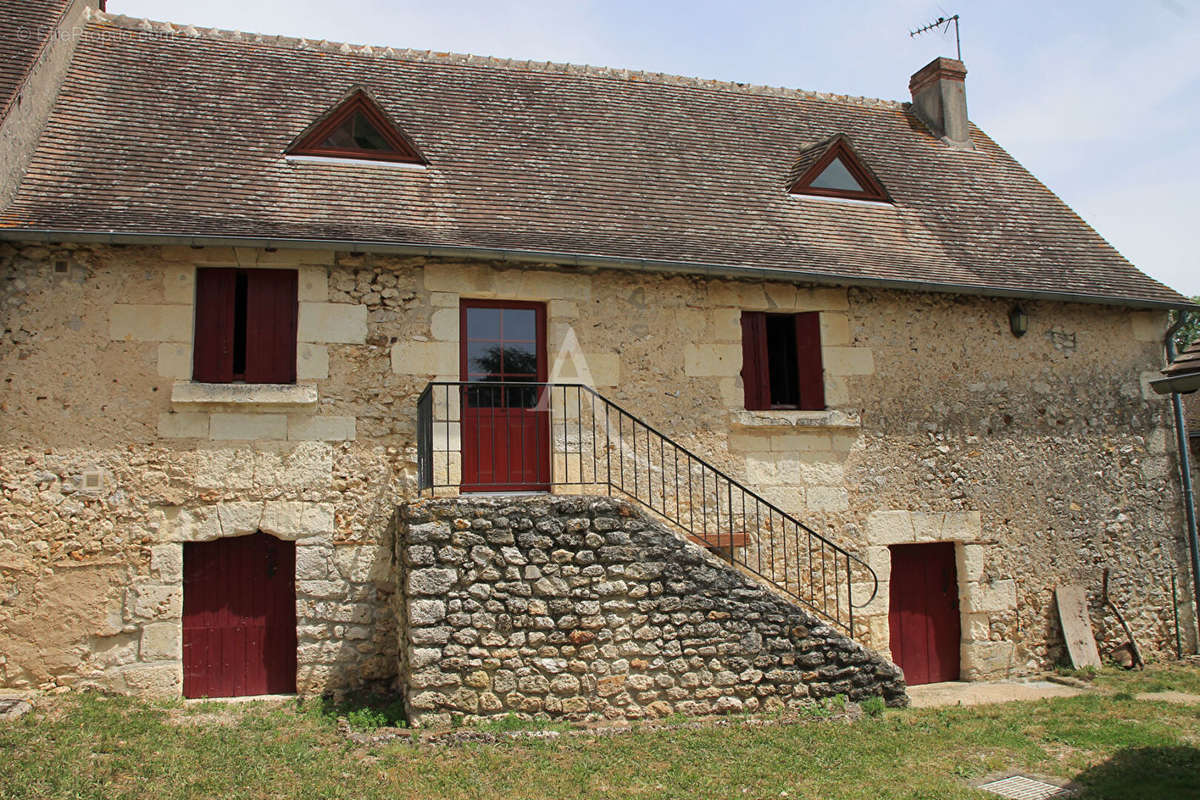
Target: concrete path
(964,693)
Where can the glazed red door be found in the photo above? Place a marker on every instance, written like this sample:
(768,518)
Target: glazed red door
(923,616)
(239,617)
(505,419)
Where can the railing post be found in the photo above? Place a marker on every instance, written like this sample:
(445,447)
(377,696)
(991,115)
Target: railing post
(425,440)
(608,451)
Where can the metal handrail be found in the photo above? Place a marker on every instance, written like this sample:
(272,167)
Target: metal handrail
(521,435)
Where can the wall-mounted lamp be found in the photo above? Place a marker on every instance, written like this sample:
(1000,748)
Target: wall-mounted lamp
(1018,321)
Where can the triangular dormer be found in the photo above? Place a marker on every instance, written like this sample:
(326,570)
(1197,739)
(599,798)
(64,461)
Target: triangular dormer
(832,169)
(356,128)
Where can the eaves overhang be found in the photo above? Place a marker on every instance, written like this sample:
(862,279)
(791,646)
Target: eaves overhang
(580,261)
(1177,384)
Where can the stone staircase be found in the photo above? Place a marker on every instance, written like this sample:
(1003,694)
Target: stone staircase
(586,444)
(586,608)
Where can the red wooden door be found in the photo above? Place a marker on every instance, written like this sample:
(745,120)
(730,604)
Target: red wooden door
(505,415)
(239,617)
(923,615)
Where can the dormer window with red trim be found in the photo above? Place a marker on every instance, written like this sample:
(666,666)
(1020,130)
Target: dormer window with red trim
(832,169)
(357,129)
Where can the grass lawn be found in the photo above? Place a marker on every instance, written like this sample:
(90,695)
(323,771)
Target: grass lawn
(90,746)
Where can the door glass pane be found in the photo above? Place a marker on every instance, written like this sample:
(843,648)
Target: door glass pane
(520,359)
(483,323)
(484,359)
(502,346)
(522,396)
(485,397)
(520,323)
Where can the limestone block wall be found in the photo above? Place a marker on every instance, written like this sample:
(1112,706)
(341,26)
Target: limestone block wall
(584,609)
(1043,458)
(113,459)
(93,592)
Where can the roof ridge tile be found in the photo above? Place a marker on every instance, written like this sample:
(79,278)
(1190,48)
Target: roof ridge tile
(471,59)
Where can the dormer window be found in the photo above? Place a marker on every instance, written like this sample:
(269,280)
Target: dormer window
(357,128)
(832,169)
(356,134)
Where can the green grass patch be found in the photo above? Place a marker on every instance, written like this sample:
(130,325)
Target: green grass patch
(1083,673)
(364,712)
(510,723)
(1155,678)
(89,746)
(873,706)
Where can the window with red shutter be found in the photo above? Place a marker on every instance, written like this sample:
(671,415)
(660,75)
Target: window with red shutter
(245,326)
(781,361)
(755,377)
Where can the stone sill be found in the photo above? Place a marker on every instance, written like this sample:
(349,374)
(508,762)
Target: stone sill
(831,418)
(243,396)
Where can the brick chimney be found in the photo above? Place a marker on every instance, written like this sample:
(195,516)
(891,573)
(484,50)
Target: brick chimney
(939,98)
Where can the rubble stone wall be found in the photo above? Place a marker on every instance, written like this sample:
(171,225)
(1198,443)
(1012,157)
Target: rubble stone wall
(584,609)
(1044,458)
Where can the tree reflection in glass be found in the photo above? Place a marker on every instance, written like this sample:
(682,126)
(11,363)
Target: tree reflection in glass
(500,364)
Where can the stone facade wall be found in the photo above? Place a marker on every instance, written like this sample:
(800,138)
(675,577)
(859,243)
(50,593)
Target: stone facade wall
(584,609)
(1043,458)
(96,351)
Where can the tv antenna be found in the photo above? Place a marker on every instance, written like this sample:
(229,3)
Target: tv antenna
(939,23)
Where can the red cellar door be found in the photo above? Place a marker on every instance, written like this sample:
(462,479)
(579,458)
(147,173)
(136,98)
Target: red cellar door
(239,617)
(923,615)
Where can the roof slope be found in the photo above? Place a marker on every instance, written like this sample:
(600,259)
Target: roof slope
(167,130)
(25,25)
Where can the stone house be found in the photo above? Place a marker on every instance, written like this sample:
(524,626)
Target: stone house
(550,389)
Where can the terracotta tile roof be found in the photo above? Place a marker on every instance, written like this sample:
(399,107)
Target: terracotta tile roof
(24,26)
(167,130)
(809,154)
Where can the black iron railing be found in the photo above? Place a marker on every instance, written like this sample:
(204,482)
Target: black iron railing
(513,436)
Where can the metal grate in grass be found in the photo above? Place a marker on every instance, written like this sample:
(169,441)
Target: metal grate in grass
(1021,787)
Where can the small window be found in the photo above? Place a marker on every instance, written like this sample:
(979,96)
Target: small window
(831,169)
(245,326)
(357,128)
(356,133)
(837,176)
(781,361)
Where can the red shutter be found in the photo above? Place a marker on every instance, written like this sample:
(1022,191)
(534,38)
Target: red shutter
(212,341)
(271,309)
(809,372)
(755,377)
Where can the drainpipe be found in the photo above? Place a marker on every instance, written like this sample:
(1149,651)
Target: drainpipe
(1185,467)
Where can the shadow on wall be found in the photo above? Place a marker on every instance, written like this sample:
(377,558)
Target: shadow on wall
(1143,772)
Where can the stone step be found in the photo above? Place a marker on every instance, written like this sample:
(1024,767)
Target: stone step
(588,608)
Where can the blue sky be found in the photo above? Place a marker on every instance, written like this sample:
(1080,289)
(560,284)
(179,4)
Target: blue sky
(1100,100)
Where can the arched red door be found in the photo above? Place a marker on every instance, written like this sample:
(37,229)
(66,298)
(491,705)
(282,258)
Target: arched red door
(239,617)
